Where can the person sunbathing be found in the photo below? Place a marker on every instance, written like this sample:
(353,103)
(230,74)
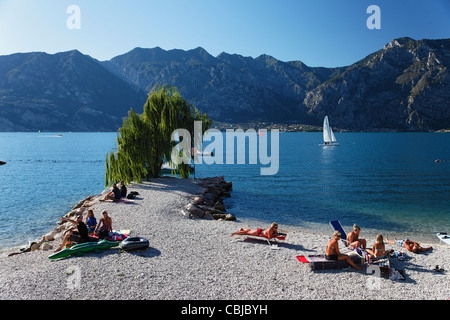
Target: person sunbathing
(409,245)
(269,233)
(354,240)
(332,251)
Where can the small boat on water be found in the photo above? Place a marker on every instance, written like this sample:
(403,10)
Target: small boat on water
(52,136)
(2,163)
(328,136)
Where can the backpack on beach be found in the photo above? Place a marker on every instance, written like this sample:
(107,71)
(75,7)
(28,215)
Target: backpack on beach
(103,234)
(132,195)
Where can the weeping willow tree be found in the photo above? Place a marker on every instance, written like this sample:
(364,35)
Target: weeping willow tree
(144,140)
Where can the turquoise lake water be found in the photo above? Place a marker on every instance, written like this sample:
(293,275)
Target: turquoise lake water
(381,181)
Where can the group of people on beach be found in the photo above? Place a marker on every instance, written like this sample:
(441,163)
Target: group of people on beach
(353,241)
(377,251)
(87,231)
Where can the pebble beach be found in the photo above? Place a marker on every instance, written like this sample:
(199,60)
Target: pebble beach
(197,259)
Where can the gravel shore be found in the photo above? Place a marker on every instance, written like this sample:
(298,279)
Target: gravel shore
(196,259)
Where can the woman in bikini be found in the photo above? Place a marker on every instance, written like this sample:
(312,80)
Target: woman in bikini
(332,252)
(269,233)
(378,249)
(353,238)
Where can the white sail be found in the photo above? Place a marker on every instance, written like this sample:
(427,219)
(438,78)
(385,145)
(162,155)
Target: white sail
(326,130)
(333,138)
(328,136)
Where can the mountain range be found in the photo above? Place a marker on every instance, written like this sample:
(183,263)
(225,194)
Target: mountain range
(405,86)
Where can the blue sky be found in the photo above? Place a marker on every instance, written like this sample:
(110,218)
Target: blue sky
(326,33)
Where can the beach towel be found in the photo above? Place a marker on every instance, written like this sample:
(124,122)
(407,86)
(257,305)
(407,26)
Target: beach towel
(399,255)
(383,263)
(319,262)
(120,201)
(302,259)
(116,235)
(280,236)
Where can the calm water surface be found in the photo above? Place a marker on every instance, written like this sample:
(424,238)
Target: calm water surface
(45,176)
(381,181)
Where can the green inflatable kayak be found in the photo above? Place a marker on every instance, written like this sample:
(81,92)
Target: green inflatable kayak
(84,247)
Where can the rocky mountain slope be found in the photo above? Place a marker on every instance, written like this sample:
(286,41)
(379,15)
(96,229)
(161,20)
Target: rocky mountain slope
(66,91)
(229,88)
(404,86)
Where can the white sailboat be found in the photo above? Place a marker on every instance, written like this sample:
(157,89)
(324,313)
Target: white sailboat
(328,136)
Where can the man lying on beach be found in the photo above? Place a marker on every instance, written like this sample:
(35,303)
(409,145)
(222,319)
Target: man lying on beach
(332,252)
(409,245)
(269,233)
(79,237)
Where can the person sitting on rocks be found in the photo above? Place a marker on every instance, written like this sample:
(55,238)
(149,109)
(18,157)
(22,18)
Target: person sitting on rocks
(79,237)
(269,233)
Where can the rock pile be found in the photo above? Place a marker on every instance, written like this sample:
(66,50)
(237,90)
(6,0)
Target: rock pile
(46,242)
(208,204)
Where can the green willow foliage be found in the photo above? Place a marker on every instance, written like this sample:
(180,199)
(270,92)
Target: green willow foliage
(144,140)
